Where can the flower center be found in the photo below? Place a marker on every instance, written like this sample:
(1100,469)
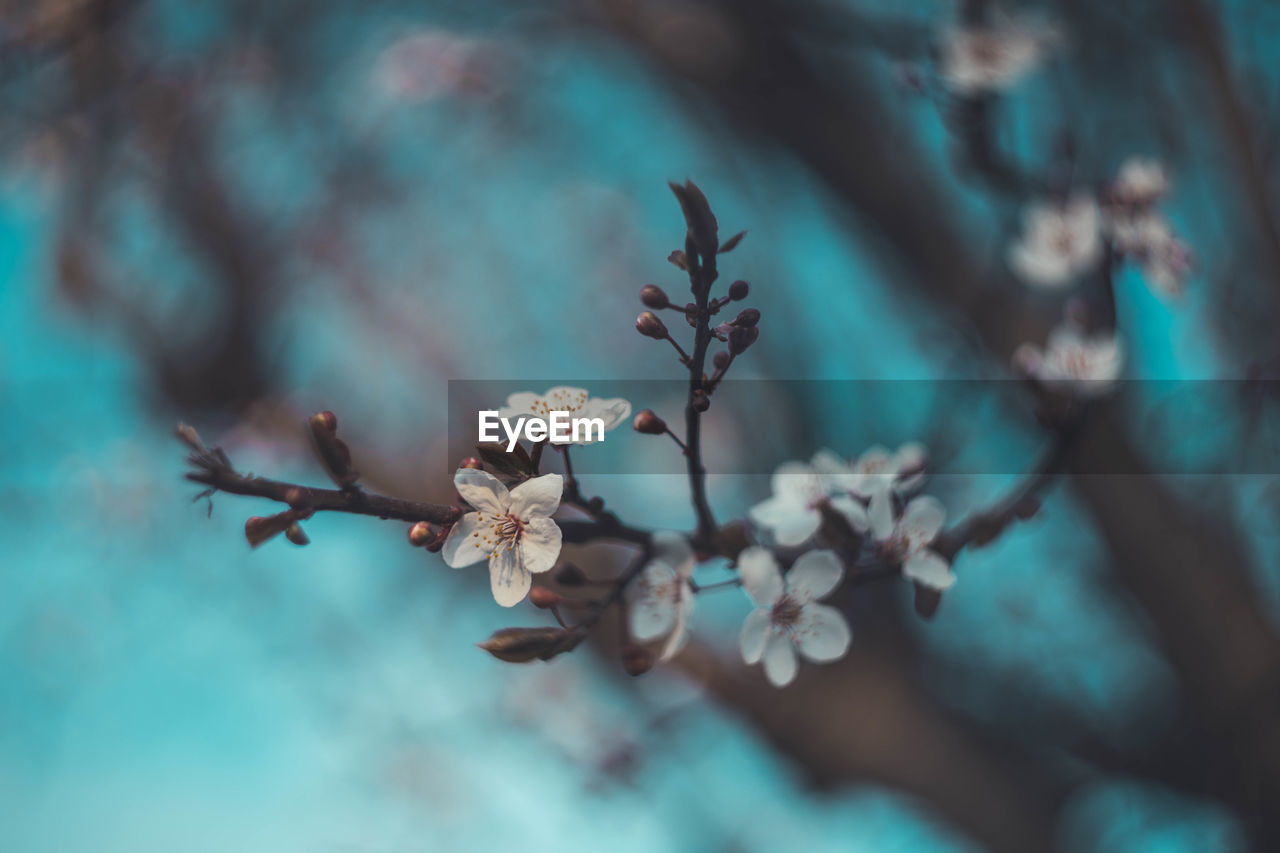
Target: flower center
(786,612)
(502,533)
(985,49)
(1063,241)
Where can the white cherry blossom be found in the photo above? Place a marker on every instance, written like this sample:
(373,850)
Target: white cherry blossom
(800,492)
(660,600)
(980,60)
(1058,242)
(787,618)
(512,529)
(563,398)
(907,539)
(1086,365)
(880,470)
(1140,181)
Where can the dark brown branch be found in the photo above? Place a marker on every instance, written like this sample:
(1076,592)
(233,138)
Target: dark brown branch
(701,277)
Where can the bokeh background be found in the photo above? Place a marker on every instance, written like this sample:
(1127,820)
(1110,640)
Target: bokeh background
(237,213)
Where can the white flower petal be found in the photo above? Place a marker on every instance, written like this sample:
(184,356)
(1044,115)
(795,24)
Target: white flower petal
(814,575)
(651,611)
(612,411)
(540,544)
(675,550)
(463,547)
(922,520)
(853,511)
(482,490)
(797,481)
(509,579)
(790,521)
(822,634)
(760,575)
(521,404)
(755,634)
(880,514)
(928,569)
(680,632)
(780,662)
(537,497)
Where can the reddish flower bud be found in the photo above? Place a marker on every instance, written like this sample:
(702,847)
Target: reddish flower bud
(542,598)
(636,660)
(471,462)
(436,544)
(649,423)
(738,290)
(654,297)
(650,326)
(747,318)
(742,337)
(570,575)
(326,419)
(421,534)
(700,401)
(720,360)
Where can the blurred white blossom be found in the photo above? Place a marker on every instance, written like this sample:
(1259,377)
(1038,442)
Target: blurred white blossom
(979,60)
(660,600)
(880,470)
(1140,181)
(800,492)
(512,529)
(576,401)
(907,539)
(787,617)
(1087,365)
(1058,242)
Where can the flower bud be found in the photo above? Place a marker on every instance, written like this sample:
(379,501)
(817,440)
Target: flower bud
(570,575)
(649,423)
(738,290)
(747,318)
(326,419)
(295,497)
(543,598)
(720,360)
(700,401)
(650,326)
(295,534)
(742,337)
(455,513)
(636,660)
(518,645)
(654,297)
(436,544)
(421,534)
(471,462)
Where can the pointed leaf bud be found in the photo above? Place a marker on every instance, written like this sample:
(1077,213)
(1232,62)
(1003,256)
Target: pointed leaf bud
(732,242)
(520,645)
